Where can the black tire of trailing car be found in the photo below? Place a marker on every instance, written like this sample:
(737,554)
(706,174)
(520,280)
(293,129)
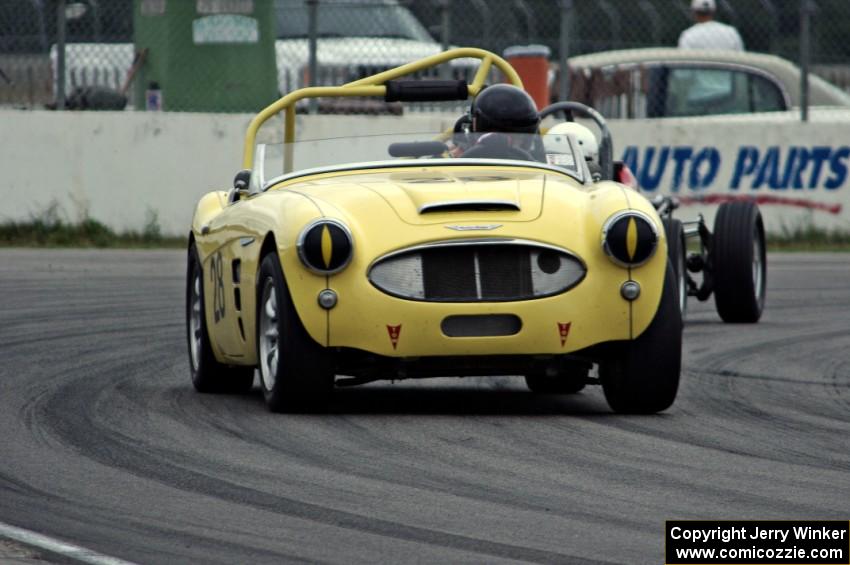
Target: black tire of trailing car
(739,262)
(570,383)
(677,251)
(304,380)
(644,377)
(208,375)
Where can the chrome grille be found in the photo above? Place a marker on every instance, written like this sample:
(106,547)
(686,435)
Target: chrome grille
(477,271)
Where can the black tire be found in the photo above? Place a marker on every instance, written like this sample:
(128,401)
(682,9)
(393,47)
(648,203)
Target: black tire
(677,251)
(739,262)
(300,379)
(208,374)
(570,382)
(644,378)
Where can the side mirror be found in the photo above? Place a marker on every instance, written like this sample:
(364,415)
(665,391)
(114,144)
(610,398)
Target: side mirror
(242,181)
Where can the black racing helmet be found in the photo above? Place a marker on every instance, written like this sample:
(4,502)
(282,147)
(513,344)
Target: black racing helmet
(504,108)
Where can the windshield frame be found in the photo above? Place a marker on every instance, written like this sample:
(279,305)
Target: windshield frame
(581,174)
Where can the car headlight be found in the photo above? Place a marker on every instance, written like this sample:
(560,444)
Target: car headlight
(629,238)
(325,246)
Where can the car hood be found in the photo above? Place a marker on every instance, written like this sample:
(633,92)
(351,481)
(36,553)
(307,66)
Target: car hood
(420,196)
(382,207)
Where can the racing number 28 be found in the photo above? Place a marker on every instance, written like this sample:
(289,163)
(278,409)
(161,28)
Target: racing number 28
(217,279)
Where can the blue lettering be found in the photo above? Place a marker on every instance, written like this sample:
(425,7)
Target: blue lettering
(748,158)
(681,156)
(839,168)
(788,170)
(768,168)
(775,182)
(698,180)
(820,154)
(777,168)
(648,179)
(803,158)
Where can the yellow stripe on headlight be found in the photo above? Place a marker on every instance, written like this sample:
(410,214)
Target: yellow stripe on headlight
(632,238)
(327,246)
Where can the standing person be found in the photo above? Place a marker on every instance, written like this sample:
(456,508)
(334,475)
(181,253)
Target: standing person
(707,33)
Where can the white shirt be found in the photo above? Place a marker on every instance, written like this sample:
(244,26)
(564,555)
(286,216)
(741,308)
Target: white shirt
(711,35)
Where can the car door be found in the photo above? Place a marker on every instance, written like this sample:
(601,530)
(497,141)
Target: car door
(228,291)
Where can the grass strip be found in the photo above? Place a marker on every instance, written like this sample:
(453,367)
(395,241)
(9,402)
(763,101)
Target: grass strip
(49,229)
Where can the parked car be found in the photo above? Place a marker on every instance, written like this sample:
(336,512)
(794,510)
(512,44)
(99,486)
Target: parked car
(665,82)
(731,257)
(356,39)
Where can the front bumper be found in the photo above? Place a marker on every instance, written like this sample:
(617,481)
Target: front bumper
(591,313)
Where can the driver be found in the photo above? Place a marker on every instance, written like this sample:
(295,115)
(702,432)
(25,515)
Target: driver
(559,151)
(504,124)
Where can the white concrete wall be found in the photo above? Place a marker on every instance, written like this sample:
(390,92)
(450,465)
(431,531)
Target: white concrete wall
(116,166)
(799,173)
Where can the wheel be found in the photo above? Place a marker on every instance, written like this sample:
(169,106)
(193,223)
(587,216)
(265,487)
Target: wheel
(208,375)
(739,262)
(295,371)
(644,377)
(677,251)
(570,382)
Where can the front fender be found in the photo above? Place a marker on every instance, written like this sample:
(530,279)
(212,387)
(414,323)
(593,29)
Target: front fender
(209,206)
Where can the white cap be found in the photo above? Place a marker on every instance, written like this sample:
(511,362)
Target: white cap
(703,5)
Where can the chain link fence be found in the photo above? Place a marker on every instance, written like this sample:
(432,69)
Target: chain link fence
(105,66)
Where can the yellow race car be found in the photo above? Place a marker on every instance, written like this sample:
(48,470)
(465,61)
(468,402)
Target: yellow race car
(347,260)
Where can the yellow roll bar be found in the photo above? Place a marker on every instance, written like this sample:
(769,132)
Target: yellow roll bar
(369,86)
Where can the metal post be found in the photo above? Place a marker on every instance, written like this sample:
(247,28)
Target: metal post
(445,34)
(445,24)
(60,55)
(806,10)
(313,39)
(42,28)
(95,7)
(564,49)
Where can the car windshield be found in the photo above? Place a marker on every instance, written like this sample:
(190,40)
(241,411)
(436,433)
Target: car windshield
(350,19)
(557,152)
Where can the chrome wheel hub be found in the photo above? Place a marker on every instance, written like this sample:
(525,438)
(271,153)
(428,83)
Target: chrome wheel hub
(195,314)
(683,283)
(758,270)
(268,335)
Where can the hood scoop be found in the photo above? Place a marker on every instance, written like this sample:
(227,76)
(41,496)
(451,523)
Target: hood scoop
(470,206)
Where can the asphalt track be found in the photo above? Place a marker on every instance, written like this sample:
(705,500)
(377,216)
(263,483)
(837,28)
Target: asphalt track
(105,445)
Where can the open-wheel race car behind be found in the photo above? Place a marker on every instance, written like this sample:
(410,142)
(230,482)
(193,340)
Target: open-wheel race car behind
(728,262)
(330,263)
